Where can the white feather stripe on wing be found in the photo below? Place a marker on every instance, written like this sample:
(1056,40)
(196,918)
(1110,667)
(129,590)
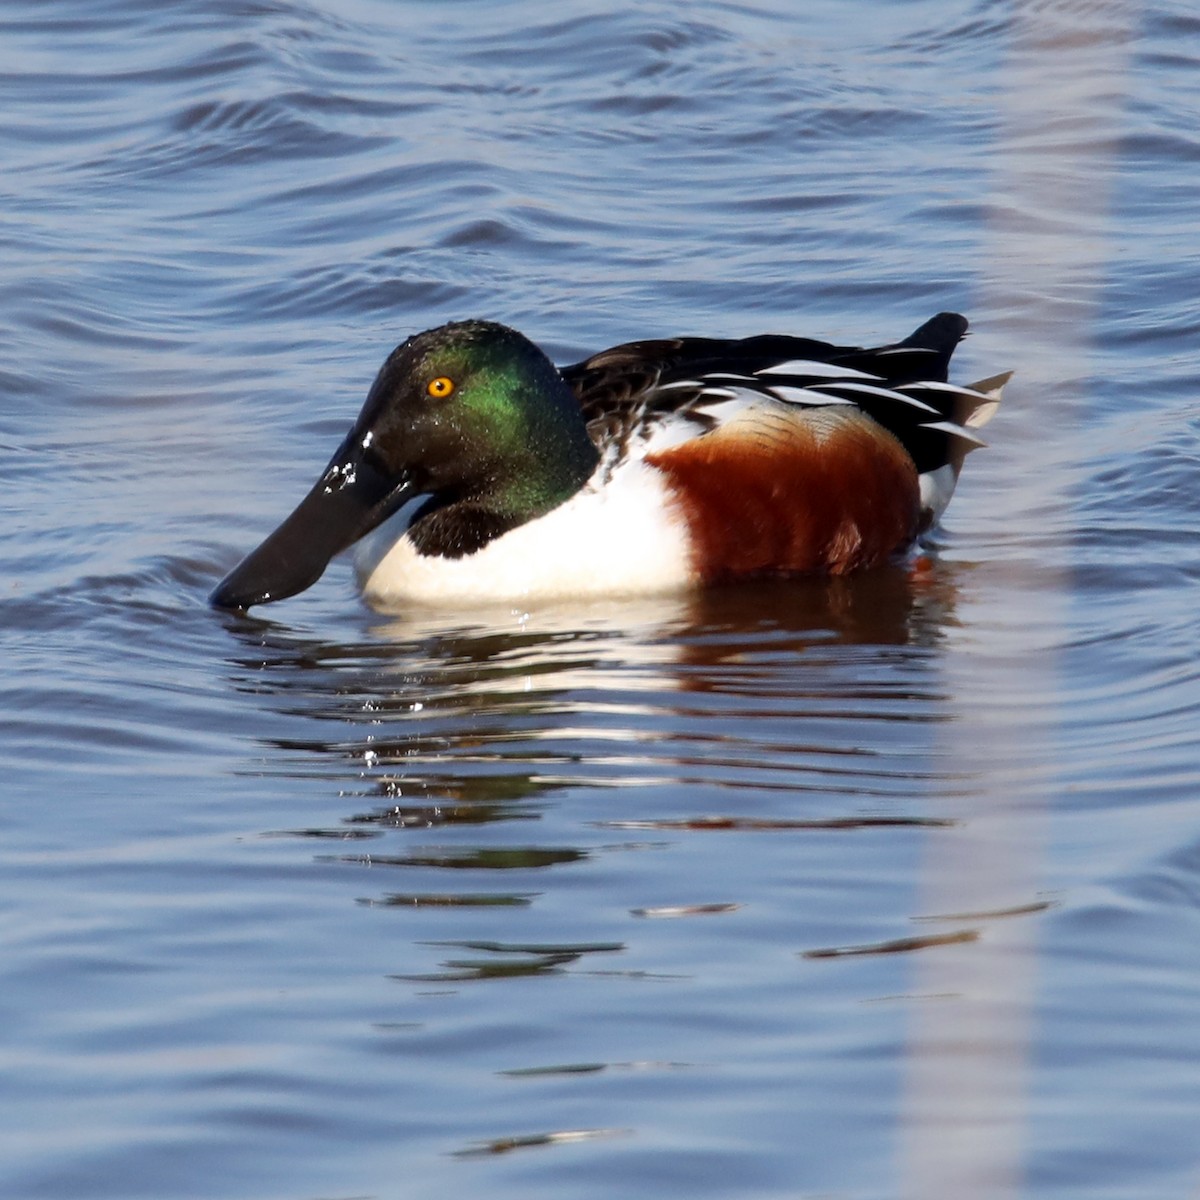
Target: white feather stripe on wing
(953,430)
(818,370)
(888,394)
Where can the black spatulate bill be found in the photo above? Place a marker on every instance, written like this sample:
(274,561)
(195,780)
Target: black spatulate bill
(350,499)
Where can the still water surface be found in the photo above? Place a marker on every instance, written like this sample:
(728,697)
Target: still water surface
(888,887)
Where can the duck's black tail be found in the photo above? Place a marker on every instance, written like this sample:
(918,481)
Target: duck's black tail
(941,334)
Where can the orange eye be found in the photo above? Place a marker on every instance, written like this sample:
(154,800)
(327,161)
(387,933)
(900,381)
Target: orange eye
(439,387)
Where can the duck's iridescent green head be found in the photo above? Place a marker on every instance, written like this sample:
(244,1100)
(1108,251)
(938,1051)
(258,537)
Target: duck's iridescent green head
(472,415)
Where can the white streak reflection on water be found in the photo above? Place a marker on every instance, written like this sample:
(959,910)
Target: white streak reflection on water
(1051,239)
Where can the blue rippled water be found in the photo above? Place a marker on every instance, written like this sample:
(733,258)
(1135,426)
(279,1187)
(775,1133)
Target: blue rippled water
(883,887)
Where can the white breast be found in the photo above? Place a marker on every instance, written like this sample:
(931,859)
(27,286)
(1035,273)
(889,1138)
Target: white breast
(621,538)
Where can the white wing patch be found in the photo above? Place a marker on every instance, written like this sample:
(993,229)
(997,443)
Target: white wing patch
(819,370)
(802,395)
(936,386)
(867,389)
(959,431)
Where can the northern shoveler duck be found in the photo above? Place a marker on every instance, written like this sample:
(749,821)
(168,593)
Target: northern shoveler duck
(651,466)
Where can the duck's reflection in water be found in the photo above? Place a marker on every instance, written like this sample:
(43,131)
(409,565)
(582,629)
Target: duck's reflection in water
(449,735)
